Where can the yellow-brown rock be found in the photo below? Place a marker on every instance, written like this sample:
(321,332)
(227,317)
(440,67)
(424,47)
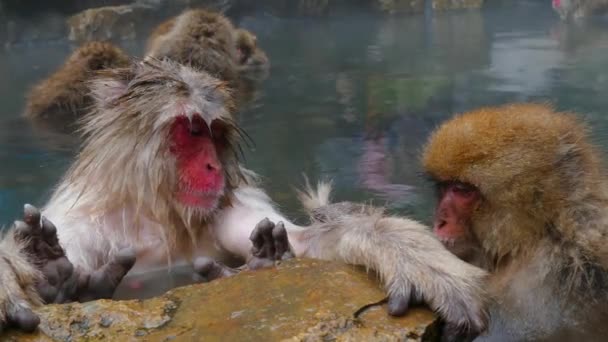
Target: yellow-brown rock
(300,300)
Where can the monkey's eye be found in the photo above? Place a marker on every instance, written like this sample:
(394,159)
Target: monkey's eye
(463,189)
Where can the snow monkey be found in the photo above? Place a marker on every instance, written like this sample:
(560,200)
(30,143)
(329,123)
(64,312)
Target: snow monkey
(522,194)
(208,41)
(60,100)
(158,181)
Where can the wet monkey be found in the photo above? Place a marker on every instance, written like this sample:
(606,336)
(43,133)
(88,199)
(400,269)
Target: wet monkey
(522,194)
(158,177)
(208,41)
(201,39)
(61,99)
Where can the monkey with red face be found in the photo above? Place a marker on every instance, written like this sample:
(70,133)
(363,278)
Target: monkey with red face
(158,179)
(521,194)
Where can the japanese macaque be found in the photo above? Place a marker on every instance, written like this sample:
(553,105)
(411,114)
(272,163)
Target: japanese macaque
(577,9)
(201,39)
(208,41)
(521,194)
(60,100)
(158,176)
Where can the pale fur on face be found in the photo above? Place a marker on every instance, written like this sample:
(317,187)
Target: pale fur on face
(125,161)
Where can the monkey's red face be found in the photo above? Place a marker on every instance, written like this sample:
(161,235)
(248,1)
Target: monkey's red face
(197,148)
(457,202)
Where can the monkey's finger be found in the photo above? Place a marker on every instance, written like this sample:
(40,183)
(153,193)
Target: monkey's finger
(104,281)
(398,305)
(49,231)
(261,237)
(23,318)
(68,292)
(256,263)
(281,242)
(31,215)
(211,269)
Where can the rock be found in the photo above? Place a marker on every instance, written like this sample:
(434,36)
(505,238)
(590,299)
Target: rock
(300,300)
(109,23)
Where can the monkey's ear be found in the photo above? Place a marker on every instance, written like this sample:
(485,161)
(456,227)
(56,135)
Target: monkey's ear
(109,85)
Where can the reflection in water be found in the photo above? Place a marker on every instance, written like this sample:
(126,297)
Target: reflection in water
(351,96)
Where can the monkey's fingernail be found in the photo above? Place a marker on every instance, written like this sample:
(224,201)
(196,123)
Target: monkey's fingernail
(31,214)
(398,305)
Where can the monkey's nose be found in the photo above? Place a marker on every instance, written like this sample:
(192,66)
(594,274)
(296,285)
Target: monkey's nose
(440,223)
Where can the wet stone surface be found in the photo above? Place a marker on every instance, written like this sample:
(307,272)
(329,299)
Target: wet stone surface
(301,300)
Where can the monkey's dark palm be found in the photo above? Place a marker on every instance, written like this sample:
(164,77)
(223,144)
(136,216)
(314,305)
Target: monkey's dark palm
(270,244)
(62,283)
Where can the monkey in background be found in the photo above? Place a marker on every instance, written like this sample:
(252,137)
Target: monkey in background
(577,9)
(158,181)
(522,195)
(208,41)
(60,100)
(201,39)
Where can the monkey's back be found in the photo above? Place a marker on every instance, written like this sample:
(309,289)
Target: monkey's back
(63,97)
(198,38)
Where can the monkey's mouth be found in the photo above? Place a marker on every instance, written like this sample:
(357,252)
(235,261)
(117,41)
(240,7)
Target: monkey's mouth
(198,198)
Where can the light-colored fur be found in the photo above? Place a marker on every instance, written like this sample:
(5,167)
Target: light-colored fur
(18,277)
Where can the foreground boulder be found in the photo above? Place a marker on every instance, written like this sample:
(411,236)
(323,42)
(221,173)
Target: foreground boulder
(301,300)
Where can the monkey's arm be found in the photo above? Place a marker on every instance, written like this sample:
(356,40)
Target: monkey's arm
(413,264)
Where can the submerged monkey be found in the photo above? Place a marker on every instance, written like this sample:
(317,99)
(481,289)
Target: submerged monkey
(523,195)
(158,181)
(60,100)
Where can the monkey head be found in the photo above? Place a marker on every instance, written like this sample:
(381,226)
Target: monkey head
(168,130)
(504,174)
(250,56)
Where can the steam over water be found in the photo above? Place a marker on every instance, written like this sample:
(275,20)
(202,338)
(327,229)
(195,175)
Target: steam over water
(351,96)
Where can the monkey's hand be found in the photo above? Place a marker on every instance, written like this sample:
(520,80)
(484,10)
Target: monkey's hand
(270,244)
(61,282)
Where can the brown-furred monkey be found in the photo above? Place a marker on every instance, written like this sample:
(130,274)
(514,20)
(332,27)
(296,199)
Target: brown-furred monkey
(208,41)
(158,176)
(60,100)
(522,194)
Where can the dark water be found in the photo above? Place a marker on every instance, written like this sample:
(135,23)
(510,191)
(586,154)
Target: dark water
(352,95)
